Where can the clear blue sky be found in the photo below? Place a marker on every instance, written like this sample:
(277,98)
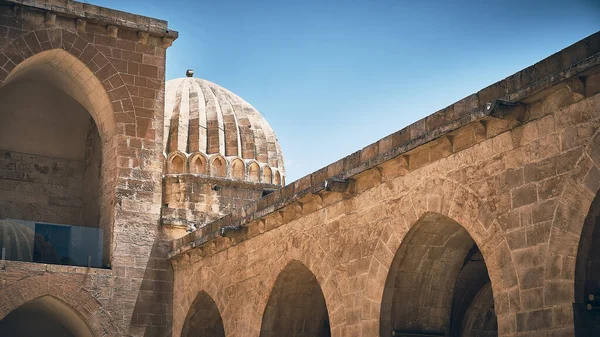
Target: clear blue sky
(334,76)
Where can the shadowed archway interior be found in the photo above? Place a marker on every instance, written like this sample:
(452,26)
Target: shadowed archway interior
(53,147)
(438,284)
(587,275)
(58,151)
(296,306)
(203,319)
(44,316)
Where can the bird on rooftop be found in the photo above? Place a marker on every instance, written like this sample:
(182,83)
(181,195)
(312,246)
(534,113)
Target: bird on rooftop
(191,227)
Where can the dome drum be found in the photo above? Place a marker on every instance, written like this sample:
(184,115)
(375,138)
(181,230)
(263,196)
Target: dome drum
(217,166)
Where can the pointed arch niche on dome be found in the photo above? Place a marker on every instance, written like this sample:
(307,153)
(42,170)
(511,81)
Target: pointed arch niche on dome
(176,163)
(238,169)
(198,163)
(277,178)
(218,166)
(253,171)
(267,176)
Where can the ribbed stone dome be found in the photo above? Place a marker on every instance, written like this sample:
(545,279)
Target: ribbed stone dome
(210,130)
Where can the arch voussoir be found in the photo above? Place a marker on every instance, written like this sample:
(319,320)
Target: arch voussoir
(43,38)
(201,281)
(21,45)
(33,287)
(32,42)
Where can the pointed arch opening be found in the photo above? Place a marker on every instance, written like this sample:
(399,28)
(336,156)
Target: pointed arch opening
(177,164)
(438,283)
(296,306)
(277,178)
(203,318)
(586,308)
(45,316)
(267,175)
(218,168)
(253,172)
(237,169)
(58,135)
(198,164)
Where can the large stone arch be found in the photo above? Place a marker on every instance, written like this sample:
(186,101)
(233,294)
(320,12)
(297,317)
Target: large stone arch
(46,316)
(296,305)
(93,67)
(86,75)
(294,246)
(203,318)
(63,288)
(201,281)
(73,65)
(436,261)
(451,200)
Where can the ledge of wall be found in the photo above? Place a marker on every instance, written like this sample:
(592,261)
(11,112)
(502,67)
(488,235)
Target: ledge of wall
(99,15)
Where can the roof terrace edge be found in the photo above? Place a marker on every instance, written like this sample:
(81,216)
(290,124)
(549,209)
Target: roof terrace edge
(101,15)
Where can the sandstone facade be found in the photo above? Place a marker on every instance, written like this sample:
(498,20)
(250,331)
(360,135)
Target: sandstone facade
(479,220)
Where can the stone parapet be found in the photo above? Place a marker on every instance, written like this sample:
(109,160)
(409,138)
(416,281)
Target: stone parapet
(115,23)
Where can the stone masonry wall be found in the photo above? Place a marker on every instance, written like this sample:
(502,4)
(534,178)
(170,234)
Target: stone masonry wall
(113,64)
(519,177)
(39,188)
(195,199)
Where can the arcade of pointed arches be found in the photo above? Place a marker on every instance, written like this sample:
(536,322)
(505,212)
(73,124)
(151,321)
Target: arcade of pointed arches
(217,165)
(467,308)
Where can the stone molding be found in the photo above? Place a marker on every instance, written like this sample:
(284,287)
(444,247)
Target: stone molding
(114,21)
